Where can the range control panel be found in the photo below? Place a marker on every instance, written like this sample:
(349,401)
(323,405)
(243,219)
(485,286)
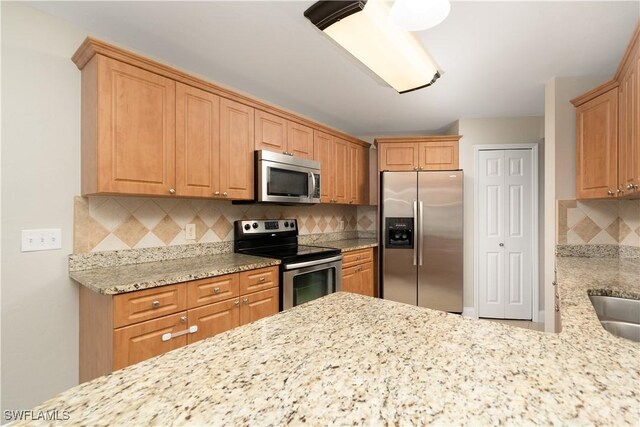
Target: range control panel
(257,226)
(398,233)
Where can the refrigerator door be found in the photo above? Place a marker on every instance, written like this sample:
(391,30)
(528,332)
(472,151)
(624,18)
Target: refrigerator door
(399,206)
(440,240)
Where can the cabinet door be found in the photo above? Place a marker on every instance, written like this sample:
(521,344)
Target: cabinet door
(350,279)
(197,142)
(133,344)
(322,152)
(597,146)
(214,289)
(398,156)
(213,319)
(358,174)
(236,150)
(366,279)
(340,159)
(257,305)
(300,140)
(136,130)
(271,132)
(629,123)
(436,155)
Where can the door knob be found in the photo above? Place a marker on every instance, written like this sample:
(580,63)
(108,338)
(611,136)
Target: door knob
(501,245)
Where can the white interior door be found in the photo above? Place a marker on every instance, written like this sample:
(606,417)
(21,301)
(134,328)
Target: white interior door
(505,234)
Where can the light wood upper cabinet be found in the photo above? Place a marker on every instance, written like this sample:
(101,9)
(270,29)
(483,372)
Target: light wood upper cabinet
(608,133)
(358,174)
(271,132)
(128,129)
(597,147)
(322,152)
(340,160)
(236,150)
(418,153)
(197,142)
(275,133)
(300,140)
(401,156)
(438,155)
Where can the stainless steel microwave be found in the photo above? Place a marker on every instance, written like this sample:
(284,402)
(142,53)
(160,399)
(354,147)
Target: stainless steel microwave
(282,178)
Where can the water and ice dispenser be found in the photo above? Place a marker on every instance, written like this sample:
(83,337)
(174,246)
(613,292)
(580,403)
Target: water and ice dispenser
(398,233)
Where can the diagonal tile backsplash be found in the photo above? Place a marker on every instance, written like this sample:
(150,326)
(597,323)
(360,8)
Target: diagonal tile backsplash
(598,222)
(112,223)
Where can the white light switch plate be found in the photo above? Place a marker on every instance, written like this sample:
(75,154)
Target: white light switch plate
(41,240)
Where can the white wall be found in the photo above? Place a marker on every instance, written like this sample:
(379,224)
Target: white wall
(514,130)
(560,161)
(40,176)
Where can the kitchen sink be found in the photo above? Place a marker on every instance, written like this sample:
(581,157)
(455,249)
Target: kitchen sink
(619,316)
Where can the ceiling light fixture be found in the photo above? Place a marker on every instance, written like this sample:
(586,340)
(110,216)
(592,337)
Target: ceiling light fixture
(418,15)
(364,29)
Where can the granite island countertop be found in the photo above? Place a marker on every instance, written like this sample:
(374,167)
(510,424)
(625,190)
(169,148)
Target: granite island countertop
(350,359)
(128,278)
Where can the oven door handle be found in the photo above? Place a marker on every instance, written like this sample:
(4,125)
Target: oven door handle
(312,263)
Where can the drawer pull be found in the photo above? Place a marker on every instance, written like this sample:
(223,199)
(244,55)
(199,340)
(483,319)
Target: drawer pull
(245,300)
(216,290)
(155,304)
(358,258)
(237,302)
(169,335)
(261,279)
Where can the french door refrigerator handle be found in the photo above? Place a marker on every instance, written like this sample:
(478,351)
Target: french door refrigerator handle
(415,222)
(420,231)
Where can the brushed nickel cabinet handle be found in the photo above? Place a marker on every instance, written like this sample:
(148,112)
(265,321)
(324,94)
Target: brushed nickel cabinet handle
(155,304)
(261,279)
(183,319)
(216,290)
(225,194)
(245,300)
(216,193)
(610,193)
(237,302)
(172,191)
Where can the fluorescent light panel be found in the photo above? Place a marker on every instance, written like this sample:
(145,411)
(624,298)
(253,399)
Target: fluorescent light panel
(392,53)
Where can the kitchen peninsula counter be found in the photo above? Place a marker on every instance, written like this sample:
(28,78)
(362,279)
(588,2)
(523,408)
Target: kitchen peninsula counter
(350,359)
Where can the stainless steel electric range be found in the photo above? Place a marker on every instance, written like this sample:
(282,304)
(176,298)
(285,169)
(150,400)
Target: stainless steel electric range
(306,272)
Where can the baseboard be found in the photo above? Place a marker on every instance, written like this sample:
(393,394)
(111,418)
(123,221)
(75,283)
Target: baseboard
(469,312)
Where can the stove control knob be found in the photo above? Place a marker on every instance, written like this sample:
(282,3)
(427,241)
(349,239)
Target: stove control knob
(247,226)
(286,224)
(404,236)
(255,225)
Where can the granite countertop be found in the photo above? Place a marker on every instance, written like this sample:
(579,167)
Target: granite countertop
(127,278)
(350,244)
(351,359)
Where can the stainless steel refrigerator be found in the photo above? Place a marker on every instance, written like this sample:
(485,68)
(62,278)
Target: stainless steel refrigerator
(421,233)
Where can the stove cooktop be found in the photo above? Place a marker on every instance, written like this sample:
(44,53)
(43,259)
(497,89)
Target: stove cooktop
(292,252)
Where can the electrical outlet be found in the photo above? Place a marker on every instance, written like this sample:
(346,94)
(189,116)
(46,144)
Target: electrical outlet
(190,232)
(341,225)
(41,239)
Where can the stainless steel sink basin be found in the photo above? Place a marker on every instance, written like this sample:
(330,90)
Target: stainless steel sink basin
(619,316)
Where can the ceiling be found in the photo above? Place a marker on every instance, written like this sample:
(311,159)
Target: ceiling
(496,56)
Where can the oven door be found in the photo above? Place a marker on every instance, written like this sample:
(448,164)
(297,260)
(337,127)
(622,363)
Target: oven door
(286,183)
(306,281)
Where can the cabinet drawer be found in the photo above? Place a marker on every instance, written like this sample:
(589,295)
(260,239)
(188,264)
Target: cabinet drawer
(257,280)
(360,256)
(149,304)
(213,289)
(133,344)
(213,319)
(258,305)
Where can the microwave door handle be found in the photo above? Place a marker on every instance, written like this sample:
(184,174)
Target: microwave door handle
(312,185)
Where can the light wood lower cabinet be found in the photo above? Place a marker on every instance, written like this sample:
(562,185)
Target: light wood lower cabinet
(142,341)
(118,331)
(358,272)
